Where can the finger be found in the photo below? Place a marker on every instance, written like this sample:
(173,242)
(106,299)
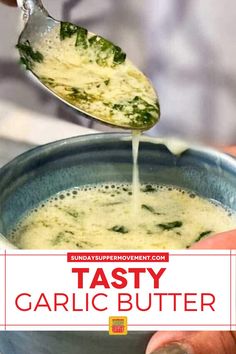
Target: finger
(9,2)
(225,240)
(192,343)
(229,150)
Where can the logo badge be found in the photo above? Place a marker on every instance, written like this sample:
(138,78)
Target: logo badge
(118,326)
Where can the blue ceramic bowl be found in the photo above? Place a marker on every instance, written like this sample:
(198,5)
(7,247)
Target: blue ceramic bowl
(100,158)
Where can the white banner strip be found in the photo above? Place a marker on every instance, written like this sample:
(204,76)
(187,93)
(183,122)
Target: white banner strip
(112,290)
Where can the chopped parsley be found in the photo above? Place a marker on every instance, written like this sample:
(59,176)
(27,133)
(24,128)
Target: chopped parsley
(140,112)
(60,237)
(104,50)
(48,81)
(170,225)
(82,38)
(67,30)
(73,213)
(106,82)
(77,94)
(149,189)
(119,55)
(202,234)
(150,209)
(84,244)
(29,55)
(120,229)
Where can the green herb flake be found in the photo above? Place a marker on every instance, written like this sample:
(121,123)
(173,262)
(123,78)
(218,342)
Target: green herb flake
(77,94)
(93,40)
(82,38)
(149,189)
(105,50)
(69,232)
(119,55)
(140,112)
(48,81)
(84,244)
(101,44)
(60,237)
(106,82)
(111,204)
(202,234)
(29,55)
(149,208)
(44,223)
(26,62)
(170,225)
(119,228)
(67,30)
(72,213)
(79,245)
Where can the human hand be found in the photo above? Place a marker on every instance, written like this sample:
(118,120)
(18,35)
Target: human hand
(9,2)
(230,150)
(196,342)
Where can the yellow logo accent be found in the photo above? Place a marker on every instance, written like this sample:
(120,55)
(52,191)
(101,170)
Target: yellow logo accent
(118,326)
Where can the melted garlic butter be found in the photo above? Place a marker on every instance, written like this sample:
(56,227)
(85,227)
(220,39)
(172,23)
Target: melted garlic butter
(101,217)
(94,75)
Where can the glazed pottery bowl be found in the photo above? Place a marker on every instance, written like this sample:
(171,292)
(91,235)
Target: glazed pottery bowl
(101,158)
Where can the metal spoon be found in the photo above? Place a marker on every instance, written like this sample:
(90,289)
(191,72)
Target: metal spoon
(37,24)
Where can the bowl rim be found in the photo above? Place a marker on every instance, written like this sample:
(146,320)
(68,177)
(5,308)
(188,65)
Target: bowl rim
(211,153)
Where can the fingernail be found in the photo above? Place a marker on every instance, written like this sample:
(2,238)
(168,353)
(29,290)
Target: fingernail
(171,349)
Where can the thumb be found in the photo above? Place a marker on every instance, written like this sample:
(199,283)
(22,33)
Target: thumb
(192,343)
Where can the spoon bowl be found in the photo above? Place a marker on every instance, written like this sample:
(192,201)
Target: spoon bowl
(100,82)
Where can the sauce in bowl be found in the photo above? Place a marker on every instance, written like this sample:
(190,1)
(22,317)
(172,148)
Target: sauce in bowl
(102,217)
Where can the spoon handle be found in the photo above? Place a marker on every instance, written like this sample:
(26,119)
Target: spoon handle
(29,7)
